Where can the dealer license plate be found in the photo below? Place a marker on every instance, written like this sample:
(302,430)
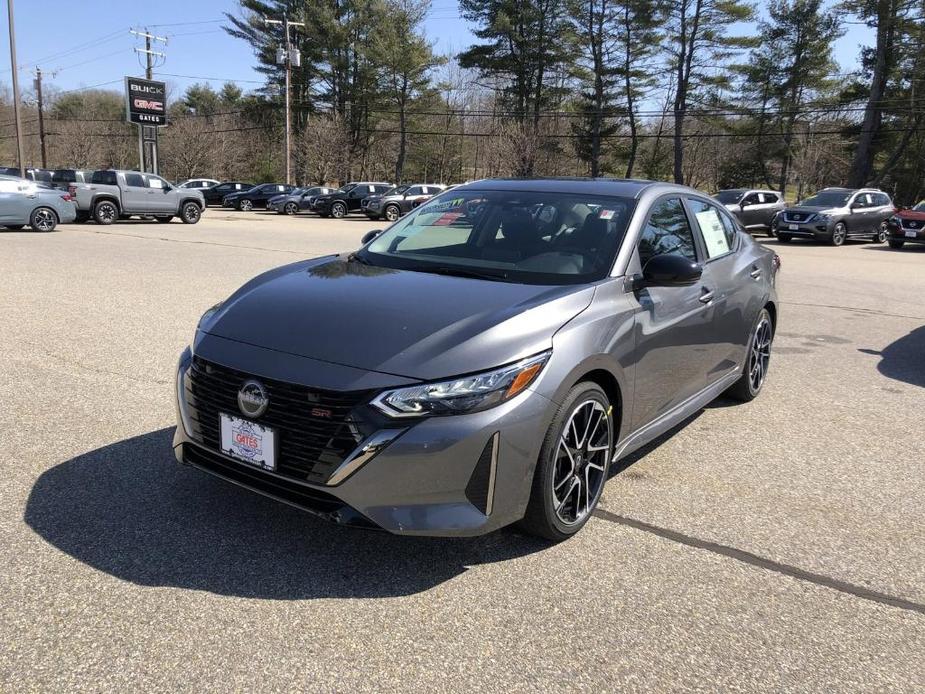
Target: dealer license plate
(248,442)
(912,234)
(794,227)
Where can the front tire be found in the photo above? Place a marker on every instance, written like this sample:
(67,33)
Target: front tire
(245,205)
(291,208)
(839,234)
(105,212)
(338,210)
(757,360)
(881,234)
(43,219)
(784,238)
(896,244)
(392,213)
(190,213)
(573,465)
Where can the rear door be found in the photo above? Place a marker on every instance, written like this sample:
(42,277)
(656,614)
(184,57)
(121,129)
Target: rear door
(134,192)
(674,325)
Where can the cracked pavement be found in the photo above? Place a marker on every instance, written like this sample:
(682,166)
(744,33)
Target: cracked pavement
(778,545)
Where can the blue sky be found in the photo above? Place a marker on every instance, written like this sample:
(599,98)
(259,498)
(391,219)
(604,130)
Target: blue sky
(79,43)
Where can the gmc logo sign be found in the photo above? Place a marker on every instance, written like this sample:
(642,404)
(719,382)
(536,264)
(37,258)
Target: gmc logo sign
(148,104)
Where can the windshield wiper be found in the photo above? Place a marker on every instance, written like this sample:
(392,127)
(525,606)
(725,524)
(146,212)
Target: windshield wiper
(482,274)
(357,258)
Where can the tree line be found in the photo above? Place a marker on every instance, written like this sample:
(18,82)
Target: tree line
(711,93)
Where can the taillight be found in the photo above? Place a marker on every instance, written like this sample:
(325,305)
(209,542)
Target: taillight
(67,197)
(71,189)
(775,263)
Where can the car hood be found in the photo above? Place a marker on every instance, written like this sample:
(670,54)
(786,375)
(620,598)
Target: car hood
(411,324)
(911,214)
(810,209)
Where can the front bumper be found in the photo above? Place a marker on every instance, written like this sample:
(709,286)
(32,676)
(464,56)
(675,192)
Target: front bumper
(809,230)
(445,476)
(897,233)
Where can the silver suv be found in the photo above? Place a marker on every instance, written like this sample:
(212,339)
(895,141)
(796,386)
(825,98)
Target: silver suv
(836,214)
(755,208)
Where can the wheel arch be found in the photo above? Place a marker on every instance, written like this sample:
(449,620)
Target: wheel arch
(772,310)
(186,200)
(107,198)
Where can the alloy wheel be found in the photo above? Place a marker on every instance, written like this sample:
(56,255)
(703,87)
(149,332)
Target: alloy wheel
(191,213)
(246,205)
(106,213)
(881,235)
(44,220)
(338,211)
(391,213)
(581,460)
(839,234)
(291,208)
(759,356)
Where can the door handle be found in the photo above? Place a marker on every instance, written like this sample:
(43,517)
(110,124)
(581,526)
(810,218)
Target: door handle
(755,273)
(706,297)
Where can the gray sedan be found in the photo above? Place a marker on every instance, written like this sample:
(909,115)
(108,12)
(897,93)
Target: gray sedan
(25,202)
(485,360)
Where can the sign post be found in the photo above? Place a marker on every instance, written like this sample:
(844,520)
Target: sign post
(146,107)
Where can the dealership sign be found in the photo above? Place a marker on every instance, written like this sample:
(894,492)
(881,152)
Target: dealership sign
(145,101)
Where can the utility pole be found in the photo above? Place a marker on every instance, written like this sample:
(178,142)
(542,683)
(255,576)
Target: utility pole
(146,133)
(16,104)
(290,58)
(38,96)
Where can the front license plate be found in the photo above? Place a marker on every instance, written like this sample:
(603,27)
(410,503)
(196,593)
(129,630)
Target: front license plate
(912,234)
(248,442)
(794,227)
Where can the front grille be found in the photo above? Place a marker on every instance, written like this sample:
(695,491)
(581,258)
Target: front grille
(912,223)
(796,216)
(315,429)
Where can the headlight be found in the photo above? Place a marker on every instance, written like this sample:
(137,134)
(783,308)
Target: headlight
(894,220)
(206,316)
(821,218)
(462,395)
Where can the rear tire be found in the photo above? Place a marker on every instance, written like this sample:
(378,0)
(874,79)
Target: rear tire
(896,244)
(105,212)
(164,220)
(570,476)
(190,213)
(881,234)
(757,360)
(43,219)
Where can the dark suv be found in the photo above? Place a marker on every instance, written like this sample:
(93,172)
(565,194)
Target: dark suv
(348,198)
(398,200)
(755,208)
(837,214)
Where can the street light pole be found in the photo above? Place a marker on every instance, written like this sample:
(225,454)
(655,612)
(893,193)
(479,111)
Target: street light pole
(16,104)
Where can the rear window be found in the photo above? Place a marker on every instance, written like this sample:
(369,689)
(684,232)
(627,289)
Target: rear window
(64,176)
(104,178)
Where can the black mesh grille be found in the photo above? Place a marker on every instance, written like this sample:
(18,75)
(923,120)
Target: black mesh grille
(315,429)
(478,488)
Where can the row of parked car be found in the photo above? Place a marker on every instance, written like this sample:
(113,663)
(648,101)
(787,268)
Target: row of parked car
(375,199)
(833,215)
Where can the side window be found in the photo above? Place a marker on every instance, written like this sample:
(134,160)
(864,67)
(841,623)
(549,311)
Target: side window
(770,198)
(135,180)
(155,182)
(881,199)
(862,201)
(717,240)
(414,190)
(667,231)
(753,199)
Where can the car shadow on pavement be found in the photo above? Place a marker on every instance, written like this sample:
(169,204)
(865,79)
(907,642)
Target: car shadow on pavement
(901,360)
(131,510)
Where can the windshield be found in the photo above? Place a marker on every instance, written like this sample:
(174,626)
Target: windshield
(827,199)
(516,236)
(920,207)
(297,191)
(729,197)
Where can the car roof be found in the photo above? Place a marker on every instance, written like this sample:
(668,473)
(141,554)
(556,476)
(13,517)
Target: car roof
(619,187)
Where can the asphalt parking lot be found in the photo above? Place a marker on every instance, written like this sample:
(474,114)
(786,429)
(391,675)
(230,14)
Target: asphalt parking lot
(768,546)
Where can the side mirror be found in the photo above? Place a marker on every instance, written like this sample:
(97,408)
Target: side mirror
(669,271)
(370,235)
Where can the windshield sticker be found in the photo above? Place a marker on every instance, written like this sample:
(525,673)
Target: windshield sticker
(447,205)
(606,214)
(446,220)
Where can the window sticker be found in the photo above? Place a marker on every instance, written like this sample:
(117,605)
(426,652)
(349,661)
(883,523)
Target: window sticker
(606,214)
(713,233)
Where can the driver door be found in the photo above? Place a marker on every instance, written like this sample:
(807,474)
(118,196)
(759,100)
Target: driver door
(674,325)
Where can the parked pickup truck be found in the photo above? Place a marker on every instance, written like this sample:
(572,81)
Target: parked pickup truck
(112,195)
